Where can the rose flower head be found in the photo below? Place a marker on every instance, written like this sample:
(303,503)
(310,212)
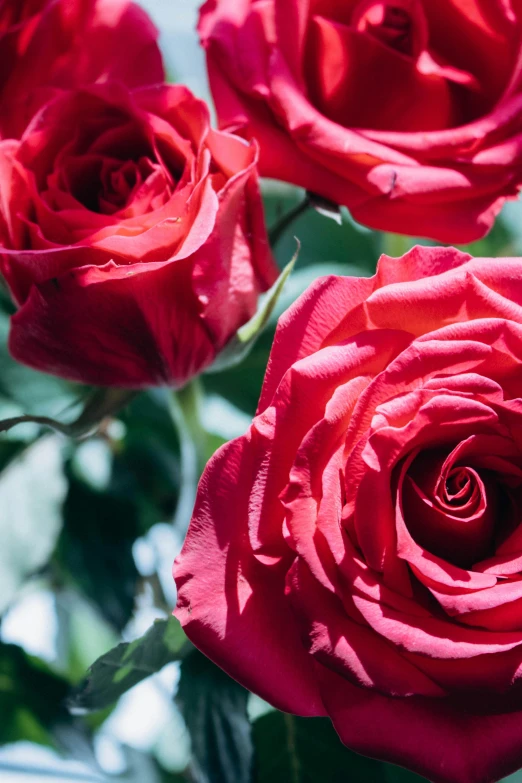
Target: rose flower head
(409,112)
(358,552)
(133,238)
(48,45)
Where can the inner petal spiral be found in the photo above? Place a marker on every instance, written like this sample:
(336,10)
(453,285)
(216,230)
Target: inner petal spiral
(394,24)
(450,507)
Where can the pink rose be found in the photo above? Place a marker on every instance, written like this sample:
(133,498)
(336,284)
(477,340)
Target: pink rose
(358,553)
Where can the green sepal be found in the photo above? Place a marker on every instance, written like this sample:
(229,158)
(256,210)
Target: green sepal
(240,345)
(325,207)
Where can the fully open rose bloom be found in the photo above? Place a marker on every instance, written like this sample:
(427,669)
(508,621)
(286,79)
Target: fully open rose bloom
(358,553)
(46,45)
(133,236)
(409,112)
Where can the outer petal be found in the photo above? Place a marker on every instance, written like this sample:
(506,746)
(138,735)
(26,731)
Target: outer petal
(436,738)
(114,326)
(228,601)
(121,34)
(235,265)
(280,157)
(387,188)
(306,325)
(334,308)
(451,222)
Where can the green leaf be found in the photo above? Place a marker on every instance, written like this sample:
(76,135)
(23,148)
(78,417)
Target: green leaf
(31,697)
(215,710)
(82,636)
(146,464)
(249,331)
(95,548)
(32,489)
(129,663)
(242,342)
(307,750)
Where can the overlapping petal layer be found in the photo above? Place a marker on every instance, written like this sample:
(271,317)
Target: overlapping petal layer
(132,236)
(409,112)
(49,45)
(378,493)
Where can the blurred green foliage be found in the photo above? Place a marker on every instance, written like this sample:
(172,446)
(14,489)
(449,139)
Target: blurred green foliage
(31,697)
(89,528)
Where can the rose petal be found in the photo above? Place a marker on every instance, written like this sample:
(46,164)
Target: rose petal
(244,596)
(463,747)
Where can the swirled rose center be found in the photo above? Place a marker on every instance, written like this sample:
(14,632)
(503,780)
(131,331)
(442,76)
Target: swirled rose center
(460,492)
(108,185)
(404,65)
(118,171)
(460,488)
(450,507)
(389,23)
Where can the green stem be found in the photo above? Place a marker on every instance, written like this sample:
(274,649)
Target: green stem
(185,410)
(277,231)
(99,405)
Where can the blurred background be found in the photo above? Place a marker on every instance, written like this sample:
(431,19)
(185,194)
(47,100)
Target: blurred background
(89,531)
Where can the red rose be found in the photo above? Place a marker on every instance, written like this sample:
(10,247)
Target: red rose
(133,233)
(409,112)
(359,551)
(46,45)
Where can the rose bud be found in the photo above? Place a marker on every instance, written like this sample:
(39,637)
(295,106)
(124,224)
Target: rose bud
(133,237)
(47,45)
(408,112)
(358,552)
